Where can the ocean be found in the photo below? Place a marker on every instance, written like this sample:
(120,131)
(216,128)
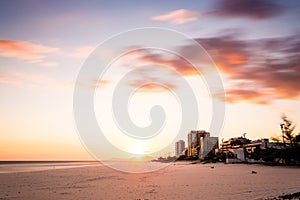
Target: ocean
(28,166)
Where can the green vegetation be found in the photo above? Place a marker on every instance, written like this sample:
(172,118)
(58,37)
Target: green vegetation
(291,153)
(288,134)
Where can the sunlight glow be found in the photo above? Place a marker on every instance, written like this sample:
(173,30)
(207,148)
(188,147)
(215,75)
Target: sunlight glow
(138,149)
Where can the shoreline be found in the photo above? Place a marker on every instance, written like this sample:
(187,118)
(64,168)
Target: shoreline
(237,163)
(28,166)
(45,161)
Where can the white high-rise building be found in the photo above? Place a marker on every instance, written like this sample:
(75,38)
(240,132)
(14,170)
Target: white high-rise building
(179,148)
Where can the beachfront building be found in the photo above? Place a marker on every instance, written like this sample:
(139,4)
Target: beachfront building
(241,149)
(234,143)
(194,142)
(179,148)
(235,149)
(208,145)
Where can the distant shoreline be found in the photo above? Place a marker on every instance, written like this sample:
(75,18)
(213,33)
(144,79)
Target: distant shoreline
(238,163)
(45,161)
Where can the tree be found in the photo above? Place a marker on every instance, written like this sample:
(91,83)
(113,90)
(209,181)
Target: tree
(289,155)
(297,138)
(287,128)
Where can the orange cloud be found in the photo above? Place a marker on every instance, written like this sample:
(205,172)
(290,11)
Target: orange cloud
(8,80)
(92,84)
(152,87)
(258,71)
(229,62)
(247,95)
(24,50)
(101,83)
(49,64)
(236,59)
(179,64)
(177,17)
(34,78)
(82,52)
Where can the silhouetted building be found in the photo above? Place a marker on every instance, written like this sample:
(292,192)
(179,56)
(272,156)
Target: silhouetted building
(194,141)
(179,148)
(241,149)
(208,145)
(234,143)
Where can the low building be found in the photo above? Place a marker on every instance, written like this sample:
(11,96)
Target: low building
(238,156)
(234,143)
(244,150)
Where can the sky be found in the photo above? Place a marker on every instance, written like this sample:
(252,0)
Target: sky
(255,45)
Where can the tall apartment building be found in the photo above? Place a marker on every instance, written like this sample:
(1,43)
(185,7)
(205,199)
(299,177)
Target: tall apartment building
(194,141)
(207,145)
(179,148)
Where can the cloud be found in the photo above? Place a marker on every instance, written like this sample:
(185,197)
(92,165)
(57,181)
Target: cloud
(35,53)
(227,52)
(177,17)
(252,9)
(154,70)
(150,80)
(259,70)
(49,64)
(82,52)
(25,50)
(101,83)
(249,95)
(92,84)
(152,87)
(158,59)
(35,78)
(28,79)
(8,80)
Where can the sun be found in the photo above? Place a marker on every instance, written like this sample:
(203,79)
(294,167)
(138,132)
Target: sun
(138,149)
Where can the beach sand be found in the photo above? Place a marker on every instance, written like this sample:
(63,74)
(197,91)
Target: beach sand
(177,181)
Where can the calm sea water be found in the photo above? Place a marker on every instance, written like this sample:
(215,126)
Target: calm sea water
(133,167)
(12,167)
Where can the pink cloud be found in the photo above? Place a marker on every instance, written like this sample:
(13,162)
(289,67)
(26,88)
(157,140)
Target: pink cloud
(177,17)
(49,64)
(35,78)
(156,59)
(259,96)
(101,83)
(24,50)
(82,52)
(8,80)
(259,71)
(151,87)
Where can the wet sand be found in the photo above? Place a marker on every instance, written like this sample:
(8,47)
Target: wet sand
(177,181)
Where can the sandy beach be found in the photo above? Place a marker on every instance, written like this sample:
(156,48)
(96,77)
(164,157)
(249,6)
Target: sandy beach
(177,181)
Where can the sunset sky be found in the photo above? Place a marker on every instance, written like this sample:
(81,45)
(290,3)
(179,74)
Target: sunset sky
(254,43)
